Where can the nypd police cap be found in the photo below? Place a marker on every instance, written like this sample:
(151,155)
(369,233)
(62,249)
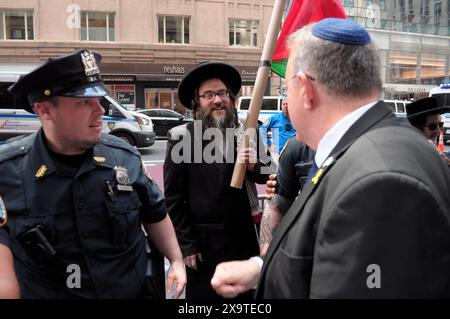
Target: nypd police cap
(73,75)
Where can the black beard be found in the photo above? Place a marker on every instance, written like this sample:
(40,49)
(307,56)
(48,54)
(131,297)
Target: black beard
(222,123)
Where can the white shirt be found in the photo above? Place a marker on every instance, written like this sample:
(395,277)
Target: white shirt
(334,135)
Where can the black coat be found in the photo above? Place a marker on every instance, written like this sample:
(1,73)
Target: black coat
(380,210)
(209,216)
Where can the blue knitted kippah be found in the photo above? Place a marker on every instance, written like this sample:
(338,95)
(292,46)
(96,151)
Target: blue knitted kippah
(344,31)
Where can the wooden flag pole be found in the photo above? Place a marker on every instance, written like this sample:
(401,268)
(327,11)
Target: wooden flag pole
(258,92)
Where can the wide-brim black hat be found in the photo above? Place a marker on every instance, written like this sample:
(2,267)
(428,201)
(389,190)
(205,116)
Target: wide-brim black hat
(206,71)
(422,107)
(73,75)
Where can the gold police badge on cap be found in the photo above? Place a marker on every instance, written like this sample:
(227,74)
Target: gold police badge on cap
(3,215)
(89,63)
(123,180)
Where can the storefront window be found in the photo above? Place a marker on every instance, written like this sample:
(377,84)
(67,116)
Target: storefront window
(164,99)
(432,69)
(125,94)
(16,25)
(402,67)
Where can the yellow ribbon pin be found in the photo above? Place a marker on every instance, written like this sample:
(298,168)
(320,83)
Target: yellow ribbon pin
(99,159)
(316,177)
(41,171)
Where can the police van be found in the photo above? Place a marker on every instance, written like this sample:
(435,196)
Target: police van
(397,106)
(134,128)
(442,95)
(270,105)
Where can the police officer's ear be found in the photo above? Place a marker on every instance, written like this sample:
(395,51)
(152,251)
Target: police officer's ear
(43,109)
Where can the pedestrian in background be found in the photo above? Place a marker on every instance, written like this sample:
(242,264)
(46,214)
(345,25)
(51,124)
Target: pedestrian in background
(77,198)
(374,221)
(281,129)
(425,115)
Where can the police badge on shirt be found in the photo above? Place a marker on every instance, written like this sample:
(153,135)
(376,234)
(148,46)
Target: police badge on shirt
(122,179)
(3,214)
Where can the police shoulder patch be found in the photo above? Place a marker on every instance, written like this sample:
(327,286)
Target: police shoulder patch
(111,140)
(3,214)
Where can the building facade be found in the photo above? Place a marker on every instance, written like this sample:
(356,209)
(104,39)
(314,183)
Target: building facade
(413,37)
(148,45)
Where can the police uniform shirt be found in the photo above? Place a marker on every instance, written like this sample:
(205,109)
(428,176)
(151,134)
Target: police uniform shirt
(294,164)
(282,130)
(90,210)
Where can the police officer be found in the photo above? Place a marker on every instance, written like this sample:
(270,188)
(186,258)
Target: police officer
(77,198)
(283,187)
(281,127)
(9,287)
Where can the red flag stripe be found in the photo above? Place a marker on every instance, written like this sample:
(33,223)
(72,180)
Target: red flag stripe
(302,13)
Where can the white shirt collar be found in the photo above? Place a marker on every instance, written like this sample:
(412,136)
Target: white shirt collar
(334,135)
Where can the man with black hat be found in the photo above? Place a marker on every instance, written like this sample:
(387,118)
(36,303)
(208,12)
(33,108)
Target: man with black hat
(213,221)
(424,114)
(373,221)
(77,198)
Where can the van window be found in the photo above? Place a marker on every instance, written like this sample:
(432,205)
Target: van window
(269,104)
(401,107)
(443,99)
(245,104)
(7,100)
(110,109)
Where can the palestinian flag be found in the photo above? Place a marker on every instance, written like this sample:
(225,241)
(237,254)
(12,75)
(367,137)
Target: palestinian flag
(301,13)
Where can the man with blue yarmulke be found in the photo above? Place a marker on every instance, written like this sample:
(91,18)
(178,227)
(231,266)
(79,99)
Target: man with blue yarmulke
(373,222)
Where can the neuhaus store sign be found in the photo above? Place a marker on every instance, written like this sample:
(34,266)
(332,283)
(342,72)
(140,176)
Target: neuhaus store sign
(174,69)
(126,72)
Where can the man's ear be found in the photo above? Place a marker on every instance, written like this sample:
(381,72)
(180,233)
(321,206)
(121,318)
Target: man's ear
(307,90)
(43,109)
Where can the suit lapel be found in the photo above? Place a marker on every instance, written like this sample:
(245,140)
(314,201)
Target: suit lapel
(368,120)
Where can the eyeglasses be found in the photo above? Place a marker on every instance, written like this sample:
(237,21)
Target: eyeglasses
(210,95)
(292,77)
(433,126)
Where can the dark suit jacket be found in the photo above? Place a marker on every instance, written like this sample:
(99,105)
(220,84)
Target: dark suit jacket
(378,216)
